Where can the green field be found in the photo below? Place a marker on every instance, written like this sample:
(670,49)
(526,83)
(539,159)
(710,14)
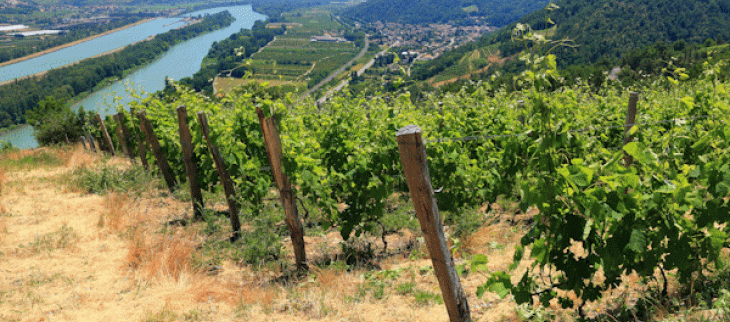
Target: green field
(470,63)
(294,57)
(226,84)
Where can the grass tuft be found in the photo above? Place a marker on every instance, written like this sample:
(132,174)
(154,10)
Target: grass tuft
(161,256)
(116,207)
(164,315)
(107,179)
(34,159)
(259,243)
(64,238)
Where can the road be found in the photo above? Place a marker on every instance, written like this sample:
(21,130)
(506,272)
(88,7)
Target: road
(347,81)
(342,69)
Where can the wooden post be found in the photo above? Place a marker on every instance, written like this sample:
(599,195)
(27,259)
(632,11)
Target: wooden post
(521,108)
(141,142)
(122,135)
(441,115)
(83,141)
(105,134)
(630,122)
(286,193)
(186,141)
(154,143)
(413,158)
(90,138)
(225,178)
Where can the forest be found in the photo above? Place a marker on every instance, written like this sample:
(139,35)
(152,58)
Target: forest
(495,13)
(65,84)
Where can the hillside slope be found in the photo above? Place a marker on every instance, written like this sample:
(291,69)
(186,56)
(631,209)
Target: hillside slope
(493,12)
(605,30)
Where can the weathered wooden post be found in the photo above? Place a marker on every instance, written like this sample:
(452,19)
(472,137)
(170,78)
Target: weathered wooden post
(630,122)
(186,141)
(83,141)
(225,178)
(521,108)
(141,142)
(286,193)
(105,134)
(413,158)
(441,115)
(90,138)
(154,143)
(123,135)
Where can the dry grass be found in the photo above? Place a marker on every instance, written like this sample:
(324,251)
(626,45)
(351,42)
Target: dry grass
(80,158)
(3,228)
(65,238)
(117,212)
(329,278)
(3,210)
(161,256)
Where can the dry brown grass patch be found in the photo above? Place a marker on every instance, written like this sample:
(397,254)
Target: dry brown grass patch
(489,238)
(164,256)
(233,293)
(19,154)
(258,295)
(80,158)
(116,212)
(3,180)
(204,289)
(3,228)
(329,278)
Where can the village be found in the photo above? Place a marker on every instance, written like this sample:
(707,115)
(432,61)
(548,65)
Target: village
(426,42)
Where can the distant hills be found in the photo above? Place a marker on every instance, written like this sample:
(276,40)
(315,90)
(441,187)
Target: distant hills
(605,30)
(494,12)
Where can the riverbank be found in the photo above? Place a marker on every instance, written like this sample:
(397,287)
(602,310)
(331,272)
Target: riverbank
(73,43)
(37,75)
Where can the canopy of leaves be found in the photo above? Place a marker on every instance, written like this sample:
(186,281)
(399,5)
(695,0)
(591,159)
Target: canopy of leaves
(497,13)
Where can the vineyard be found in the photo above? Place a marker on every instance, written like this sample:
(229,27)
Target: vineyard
(615,195)
(294,59)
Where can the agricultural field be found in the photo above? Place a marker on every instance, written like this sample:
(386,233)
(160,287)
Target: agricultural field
(473,63)
(293,59)
(228,84)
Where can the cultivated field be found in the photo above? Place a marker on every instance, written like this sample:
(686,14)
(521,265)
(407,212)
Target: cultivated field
(294,59)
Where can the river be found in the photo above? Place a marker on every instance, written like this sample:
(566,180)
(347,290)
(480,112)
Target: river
(180,61)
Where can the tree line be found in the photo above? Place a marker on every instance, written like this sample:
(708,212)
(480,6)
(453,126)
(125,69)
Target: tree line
(493,12)
(64,84)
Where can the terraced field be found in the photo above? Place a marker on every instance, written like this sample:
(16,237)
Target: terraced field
(294,59)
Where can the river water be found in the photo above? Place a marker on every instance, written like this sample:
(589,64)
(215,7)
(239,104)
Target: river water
(180,61)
